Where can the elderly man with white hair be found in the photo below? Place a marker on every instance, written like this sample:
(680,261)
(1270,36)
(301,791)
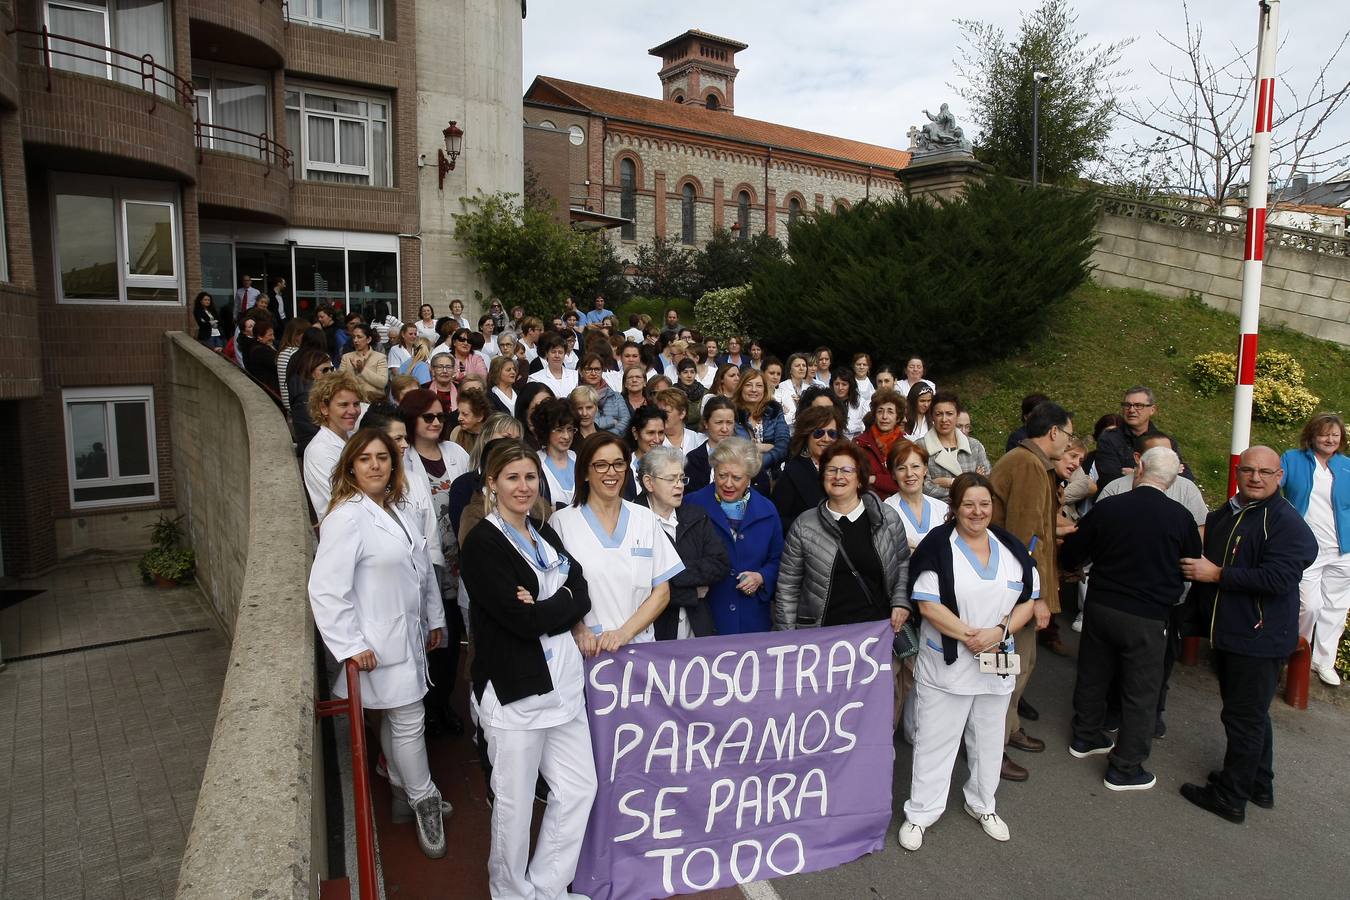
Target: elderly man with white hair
(1136,542)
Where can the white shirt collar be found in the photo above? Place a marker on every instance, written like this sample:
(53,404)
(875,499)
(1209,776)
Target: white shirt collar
(852,515)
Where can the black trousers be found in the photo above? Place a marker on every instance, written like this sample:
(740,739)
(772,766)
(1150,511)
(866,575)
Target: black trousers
(443,662)
(1246,685)
(1118,646)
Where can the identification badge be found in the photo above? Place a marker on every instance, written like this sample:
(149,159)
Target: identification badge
(1000,663)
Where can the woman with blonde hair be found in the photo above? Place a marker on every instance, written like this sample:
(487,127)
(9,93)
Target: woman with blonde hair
(502,377)
(334,405)
(373,592)
(418,364)
(586,406)
(759,419)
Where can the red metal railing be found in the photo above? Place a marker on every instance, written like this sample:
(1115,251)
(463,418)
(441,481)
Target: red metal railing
(246,143)
(154,77)
(364,811)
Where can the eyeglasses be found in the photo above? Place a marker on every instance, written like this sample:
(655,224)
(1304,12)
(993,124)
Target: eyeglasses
(430,418)
(460,338)
(841,470)
(600,466)
(682,479)
(825,432)
(1249,471)
(1066,431)
(1129,407)
(592,370)
(442,367)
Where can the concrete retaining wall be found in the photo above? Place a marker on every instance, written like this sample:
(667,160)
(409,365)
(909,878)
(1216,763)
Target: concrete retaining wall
(1309,292)
(240,489)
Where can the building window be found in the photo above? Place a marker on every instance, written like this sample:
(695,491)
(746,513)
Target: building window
(137,27)
(840,207)
(354,16)
(628,199)
(794,210)
(110,446)
(116,240)
(235,102)
(339,137)
(712,101)
(743,215)
(687,214)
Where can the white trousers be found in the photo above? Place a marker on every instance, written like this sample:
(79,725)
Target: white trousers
(402,731)
(562,754)
(940,720)
(1324,600)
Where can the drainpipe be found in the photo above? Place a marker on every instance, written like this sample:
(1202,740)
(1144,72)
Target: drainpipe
(868,195)
(768,158)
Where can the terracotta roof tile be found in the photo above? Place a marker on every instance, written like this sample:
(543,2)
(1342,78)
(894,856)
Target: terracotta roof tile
(694,32)
(651,111)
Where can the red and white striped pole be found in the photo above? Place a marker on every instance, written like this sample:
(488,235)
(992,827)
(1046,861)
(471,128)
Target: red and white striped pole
(1250,318)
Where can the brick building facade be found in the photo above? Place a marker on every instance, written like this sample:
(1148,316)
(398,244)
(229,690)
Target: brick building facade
(685,165)
(265,138)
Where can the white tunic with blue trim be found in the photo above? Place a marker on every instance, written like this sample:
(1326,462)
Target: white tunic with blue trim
(621,568)
(984,596)
(934,514)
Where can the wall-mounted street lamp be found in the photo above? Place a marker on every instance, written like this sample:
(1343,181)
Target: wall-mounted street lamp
(445,159)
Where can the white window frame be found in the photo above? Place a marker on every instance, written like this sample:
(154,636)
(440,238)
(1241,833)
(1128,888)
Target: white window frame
(53,60)
(211,73)
(302,152)
(122,191)
(299,11)
(109,396)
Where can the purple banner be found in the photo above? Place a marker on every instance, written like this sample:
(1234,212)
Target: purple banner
(726,760)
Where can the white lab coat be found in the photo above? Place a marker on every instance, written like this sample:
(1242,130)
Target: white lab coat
(420,503)
(372,587)
(321,458)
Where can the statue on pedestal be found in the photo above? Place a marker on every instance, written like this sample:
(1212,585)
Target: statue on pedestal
(942,134)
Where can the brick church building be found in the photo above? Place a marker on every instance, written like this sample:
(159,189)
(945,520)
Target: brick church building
(686,164)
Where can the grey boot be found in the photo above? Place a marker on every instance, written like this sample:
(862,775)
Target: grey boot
(430,828)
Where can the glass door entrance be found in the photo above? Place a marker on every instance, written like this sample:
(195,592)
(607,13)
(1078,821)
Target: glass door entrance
(266,262)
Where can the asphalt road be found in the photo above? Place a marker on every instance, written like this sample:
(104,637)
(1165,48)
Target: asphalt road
(1073,838)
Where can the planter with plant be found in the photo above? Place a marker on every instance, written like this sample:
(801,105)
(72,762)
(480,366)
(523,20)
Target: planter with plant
(166,563)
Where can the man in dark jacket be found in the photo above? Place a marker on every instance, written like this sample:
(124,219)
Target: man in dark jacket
(1246,588)
(1134,541)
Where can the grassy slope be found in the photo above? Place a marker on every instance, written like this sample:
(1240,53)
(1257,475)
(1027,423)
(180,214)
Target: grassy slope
(1106,340)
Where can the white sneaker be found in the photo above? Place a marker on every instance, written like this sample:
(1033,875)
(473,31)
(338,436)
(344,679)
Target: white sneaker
(1077,623)
(1328,675)
(993,826)
(911,835)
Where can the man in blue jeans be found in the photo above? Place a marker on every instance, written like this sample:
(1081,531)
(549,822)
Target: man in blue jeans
(1246,590)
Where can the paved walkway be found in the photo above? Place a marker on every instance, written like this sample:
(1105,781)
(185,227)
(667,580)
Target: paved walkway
(106,712)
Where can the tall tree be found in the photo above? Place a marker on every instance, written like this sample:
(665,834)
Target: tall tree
(1077,102)
(1202,124)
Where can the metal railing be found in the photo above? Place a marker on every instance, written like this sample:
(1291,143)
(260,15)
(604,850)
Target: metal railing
(363,810)
(156,80)
(243,143)
(1224,226)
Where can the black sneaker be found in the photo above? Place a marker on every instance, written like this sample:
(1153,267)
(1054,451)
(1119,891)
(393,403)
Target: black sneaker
(1117,780)
(1083,749)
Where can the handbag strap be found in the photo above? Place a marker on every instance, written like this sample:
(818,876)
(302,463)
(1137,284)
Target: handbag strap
(871,601)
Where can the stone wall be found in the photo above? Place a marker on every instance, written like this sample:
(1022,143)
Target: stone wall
(1305,290)
(240,490)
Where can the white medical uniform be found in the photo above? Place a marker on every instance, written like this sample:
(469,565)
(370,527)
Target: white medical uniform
(854,424)
(561,386)
(562,485)
(621,568)
(916,528)
(544,734)
(321,458)
(692,441)
(1324,591)
(958,699)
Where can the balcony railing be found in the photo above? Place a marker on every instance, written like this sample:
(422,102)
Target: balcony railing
(242,143)
(80,56)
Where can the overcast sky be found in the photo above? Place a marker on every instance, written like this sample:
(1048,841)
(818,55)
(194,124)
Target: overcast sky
(865,69)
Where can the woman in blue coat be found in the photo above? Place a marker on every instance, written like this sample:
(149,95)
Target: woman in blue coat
(759,419)
(1317,483)
(748,523)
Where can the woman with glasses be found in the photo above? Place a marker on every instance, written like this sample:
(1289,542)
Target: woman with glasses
(628,559)
(528,596)
(502,377)
(611,414)
(881,433)
(719,423)
(950,451)
(846,561)
(798,489)
(971,582)
(752,534)
(705,557)
(555,427)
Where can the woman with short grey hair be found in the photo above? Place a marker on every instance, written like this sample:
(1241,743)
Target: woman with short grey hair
(752,532)
(705,557)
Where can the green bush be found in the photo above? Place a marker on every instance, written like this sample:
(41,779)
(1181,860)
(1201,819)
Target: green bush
(1280,367)
(954,281)
(1213,372)
(1278,394)
(721,314)
(1274,401)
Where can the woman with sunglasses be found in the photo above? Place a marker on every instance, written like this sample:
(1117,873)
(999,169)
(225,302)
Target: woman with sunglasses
(749,528)
(555,427)
(627,556)
(527,596)
(705,557)
(798,489)
(465,360)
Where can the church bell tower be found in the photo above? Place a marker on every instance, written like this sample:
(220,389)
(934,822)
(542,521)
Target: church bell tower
(699,69)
